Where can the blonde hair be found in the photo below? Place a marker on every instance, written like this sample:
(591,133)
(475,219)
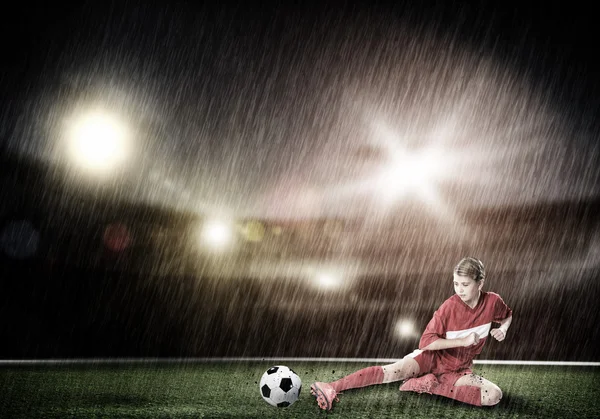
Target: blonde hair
(471,267)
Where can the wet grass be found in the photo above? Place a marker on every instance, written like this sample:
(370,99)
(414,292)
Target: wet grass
(217,390)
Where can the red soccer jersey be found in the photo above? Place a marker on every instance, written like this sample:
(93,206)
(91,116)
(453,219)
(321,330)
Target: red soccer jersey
(455,319)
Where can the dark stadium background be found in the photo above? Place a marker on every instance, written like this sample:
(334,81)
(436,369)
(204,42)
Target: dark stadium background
(76,298)
(159,296)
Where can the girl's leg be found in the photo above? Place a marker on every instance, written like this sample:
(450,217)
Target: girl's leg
(490,393)
(398,371)
(465,387)
(401,370)
(362,378)
(326,393)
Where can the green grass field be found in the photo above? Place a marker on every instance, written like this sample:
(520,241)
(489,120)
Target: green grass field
(230,390)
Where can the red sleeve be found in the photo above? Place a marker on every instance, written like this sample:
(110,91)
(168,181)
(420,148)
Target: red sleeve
(501,310)
(436,328)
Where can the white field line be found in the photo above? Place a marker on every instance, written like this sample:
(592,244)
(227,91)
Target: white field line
(84,361)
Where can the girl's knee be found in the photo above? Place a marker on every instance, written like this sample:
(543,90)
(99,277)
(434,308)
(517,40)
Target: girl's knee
(401,370)
(490,395)
(411,367)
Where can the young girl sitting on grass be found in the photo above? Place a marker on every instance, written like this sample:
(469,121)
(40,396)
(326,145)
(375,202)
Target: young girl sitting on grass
(453,337)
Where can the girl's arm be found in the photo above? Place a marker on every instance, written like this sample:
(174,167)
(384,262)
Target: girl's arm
(441,343)
(500,333)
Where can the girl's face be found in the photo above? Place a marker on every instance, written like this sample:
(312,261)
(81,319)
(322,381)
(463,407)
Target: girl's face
(467,289)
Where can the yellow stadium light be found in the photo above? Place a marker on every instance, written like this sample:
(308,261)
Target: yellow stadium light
(254,231)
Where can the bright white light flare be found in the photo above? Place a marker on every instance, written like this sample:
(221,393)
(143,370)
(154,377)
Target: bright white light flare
(217,234)
(405,329)
(98,142)
(409,173)
(325,280)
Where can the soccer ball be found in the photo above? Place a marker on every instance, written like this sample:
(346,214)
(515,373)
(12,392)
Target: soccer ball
(280,386)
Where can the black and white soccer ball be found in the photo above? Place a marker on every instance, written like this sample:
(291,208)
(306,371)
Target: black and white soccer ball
(280,386)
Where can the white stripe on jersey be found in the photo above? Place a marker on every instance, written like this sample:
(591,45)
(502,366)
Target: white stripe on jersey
(482,331)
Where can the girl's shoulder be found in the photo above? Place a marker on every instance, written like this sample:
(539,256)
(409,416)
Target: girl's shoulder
(450,303)
(491,295)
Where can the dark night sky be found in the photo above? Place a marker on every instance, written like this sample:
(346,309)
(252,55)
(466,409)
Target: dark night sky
(283,110)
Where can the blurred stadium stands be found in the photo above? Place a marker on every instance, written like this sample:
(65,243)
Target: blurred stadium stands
(146,288)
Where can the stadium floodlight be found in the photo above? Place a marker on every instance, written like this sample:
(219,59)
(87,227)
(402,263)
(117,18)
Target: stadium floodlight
(332,277)
(253,231)
(408,173)
(405,329)
(328,280)
(217,234)
(402,171)
(98,142)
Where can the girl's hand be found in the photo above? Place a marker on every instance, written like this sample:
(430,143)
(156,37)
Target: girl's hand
(471,339)
(498,334)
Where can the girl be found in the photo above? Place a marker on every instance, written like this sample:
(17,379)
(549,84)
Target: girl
(453,337)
